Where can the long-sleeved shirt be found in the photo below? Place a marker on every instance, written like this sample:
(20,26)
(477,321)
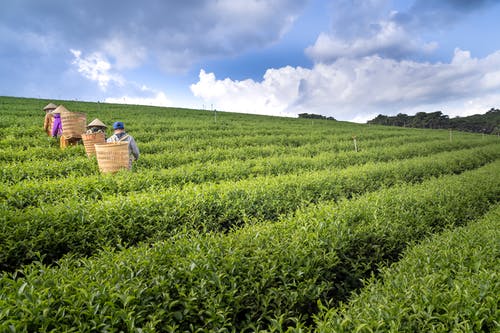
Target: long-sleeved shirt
(57,125)
(124,137)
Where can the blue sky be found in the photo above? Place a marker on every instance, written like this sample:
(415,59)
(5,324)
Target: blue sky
(349,59)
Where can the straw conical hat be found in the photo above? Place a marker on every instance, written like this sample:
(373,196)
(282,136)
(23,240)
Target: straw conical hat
(50,106)
(97,122)
(60,109)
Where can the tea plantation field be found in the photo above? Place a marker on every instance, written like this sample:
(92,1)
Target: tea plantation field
(243,223)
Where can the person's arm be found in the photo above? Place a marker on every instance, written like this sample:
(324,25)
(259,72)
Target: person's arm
(134,148)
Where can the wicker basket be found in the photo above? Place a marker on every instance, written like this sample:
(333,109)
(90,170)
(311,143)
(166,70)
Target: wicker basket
(89,140)
(73,124)
(112,157)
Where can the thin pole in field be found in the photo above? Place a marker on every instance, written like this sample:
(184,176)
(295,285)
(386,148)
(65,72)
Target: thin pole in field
(215,112)
(450,135)
(355,144)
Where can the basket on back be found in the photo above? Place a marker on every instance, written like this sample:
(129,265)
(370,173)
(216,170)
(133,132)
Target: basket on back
(73,123)
(112,157)
(89,140)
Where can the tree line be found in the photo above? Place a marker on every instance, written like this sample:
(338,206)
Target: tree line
(488,123)
(314,116)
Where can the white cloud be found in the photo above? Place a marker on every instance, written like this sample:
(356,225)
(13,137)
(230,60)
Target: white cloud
(390,40)
(159,99)
(96,67)
(358,89)
(271,96)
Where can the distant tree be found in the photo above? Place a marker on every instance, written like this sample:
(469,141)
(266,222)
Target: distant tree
(436,120)
(380,120)
(401,119)
(487,123)
(314,116)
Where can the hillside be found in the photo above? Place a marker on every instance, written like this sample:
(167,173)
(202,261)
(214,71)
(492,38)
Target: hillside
(236,222)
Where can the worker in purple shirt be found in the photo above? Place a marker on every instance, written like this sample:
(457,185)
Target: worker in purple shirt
(57,124)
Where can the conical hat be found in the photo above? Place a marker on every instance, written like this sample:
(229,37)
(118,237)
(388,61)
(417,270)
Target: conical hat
(49,106)
(60,109)
(97,122)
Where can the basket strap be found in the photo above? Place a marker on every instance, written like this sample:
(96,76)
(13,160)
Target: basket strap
(126,136)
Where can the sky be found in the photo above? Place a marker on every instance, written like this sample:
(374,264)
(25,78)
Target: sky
(347,59)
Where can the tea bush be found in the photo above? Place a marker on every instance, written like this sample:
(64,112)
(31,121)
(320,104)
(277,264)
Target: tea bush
(449,283)
(82,226)
(259,277)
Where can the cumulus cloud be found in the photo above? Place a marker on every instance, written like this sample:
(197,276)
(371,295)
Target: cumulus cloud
(270,96)
(369,27)
(96,67)
(363,28)
(359,89)
(390,41)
